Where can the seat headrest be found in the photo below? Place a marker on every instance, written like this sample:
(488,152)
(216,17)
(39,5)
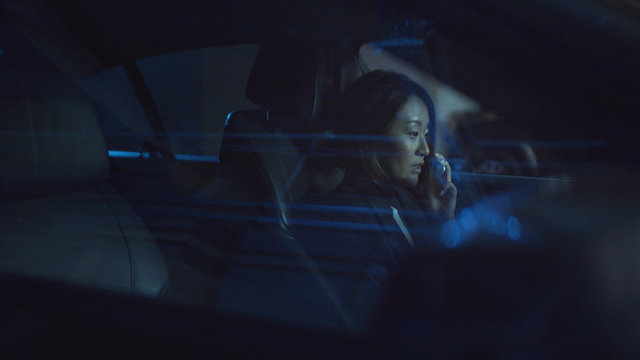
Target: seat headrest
(50,138)
(289,79)
(295,79)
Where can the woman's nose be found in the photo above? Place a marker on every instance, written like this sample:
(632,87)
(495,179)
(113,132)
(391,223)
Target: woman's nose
(423,149)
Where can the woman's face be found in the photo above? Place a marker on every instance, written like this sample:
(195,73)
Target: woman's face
(403,157)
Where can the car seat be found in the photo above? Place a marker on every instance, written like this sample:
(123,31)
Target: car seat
(61,219)
(272,271)
(263,152)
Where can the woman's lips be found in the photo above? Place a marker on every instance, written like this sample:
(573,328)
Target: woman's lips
(416,168)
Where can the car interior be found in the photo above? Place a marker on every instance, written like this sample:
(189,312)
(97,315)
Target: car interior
(160,161)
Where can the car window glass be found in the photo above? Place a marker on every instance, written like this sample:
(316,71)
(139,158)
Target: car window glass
(193,90)
(121,115)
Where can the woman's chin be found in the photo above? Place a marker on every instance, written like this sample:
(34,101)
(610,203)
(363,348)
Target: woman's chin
(409,183)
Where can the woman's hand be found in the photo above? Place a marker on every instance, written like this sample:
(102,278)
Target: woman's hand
(435,185)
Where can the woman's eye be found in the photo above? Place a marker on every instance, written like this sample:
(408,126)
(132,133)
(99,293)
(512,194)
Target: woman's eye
(414,133)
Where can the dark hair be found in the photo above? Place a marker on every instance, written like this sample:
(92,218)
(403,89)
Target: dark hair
(367,107)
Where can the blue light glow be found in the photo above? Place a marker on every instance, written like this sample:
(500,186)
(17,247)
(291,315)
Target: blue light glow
(450,234)
(124,154)
(498,225)
(204,158)
(544,144)
(468,220)
(145,155)
(513,228)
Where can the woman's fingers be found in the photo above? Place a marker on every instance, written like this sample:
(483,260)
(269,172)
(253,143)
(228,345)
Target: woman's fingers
(448,200)
(445,199)
(446,169)
(449,190)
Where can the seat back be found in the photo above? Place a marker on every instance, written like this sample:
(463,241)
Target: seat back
(262,155)
(62,219)
(49,141)
(260,169)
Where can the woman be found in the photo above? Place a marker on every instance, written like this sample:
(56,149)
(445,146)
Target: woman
(382,127)
(332,270)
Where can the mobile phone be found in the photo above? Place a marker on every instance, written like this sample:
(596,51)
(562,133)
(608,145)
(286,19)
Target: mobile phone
(436,166)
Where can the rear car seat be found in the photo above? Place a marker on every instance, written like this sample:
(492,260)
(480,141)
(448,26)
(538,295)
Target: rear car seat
(61,219)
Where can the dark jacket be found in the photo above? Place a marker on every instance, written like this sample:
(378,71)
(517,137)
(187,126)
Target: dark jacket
(369,207)
(331,272)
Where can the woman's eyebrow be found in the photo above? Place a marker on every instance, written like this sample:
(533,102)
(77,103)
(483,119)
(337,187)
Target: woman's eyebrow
(415,121)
